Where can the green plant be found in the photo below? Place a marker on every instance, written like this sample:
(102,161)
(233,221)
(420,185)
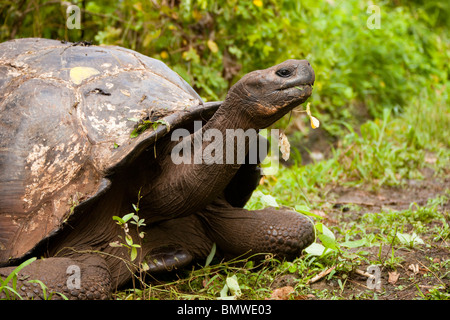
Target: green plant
(211,43)
(47,295)
(130,244)
(4,284)
(143,125)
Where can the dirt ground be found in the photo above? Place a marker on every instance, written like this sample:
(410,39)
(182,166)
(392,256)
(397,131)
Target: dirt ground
(420,269)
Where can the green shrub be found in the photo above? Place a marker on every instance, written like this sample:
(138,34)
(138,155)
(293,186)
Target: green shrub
(359,71)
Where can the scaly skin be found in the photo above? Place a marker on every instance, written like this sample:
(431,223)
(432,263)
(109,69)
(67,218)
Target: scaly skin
(55,273)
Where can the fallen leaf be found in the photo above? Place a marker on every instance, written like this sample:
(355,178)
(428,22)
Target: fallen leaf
(233,285)
(393,277)
(282,293)
(320,213)
(285,147)
(414,268)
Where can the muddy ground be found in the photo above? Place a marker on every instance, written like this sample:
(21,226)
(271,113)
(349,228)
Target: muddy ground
(419,270)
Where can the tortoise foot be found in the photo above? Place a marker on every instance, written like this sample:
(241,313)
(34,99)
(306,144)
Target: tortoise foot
(167,258)
(237,231)
(82,278)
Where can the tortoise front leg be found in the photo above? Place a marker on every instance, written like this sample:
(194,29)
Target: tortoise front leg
(241,187)
(175,243)
(84,277)
(237,231)
(247,178)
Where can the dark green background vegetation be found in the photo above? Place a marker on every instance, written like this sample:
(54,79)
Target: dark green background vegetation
(381,94)
(211,44)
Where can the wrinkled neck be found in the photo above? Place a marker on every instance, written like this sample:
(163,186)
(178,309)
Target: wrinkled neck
(231,115)
(215,153)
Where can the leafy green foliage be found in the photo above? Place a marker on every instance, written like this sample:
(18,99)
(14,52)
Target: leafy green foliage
(129,243)
(359,71)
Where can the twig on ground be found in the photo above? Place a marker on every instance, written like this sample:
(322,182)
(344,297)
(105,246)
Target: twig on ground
(364,273)
(321,274)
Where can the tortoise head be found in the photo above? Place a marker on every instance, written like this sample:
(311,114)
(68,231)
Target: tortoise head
(266,95)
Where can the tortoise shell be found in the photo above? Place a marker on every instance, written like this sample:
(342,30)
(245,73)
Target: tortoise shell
(67,114)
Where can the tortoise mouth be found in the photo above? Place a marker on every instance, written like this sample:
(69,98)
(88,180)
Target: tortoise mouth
(306,89)
(295,95)
(300,83)
(299,92)
(299,88)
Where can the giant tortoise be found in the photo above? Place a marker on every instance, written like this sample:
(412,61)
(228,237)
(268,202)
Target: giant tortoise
(85,139)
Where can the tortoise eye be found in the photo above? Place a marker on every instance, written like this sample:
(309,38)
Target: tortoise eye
(284,73)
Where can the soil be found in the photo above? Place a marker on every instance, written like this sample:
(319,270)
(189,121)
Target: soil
(418,269)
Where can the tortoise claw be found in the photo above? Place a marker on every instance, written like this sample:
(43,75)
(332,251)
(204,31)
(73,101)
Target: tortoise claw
(167,258)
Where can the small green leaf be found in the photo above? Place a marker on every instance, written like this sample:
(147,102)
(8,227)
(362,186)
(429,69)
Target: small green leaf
(292,268)
(305,210)
(134,134)
(133,254)
(144,266)
(324,230)
(127,217)
(129,240)
(315,249)
(266,199)
(119,220)
(163,122)
(211,255)
(327,241)
(326,236)
(141,223)
(355,243)
(409,239)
